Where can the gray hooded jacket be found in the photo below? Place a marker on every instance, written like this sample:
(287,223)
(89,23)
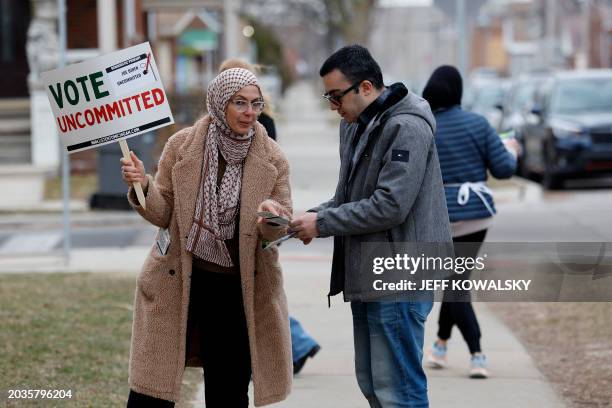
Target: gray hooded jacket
(393,192)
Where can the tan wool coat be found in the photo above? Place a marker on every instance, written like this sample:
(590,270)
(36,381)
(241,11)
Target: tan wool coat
(159,333)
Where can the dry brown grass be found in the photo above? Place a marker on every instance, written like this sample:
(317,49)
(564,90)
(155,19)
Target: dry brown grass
(571,344)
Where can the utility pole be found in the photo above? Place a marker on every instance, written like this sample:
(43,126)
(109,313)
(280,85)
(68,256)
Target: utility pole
(61,62)
(129,23)
(462,37)
(107,25)
(551,32)
(585,62)
(230,26)
(605,45)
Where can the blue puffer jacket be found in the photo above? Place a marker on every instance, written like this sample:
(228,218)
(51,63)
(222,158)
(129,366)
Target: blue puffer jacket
(467,147)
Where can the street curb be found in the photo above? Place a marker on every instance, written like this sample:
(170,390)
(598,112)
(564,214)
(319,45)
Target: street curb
(79,219)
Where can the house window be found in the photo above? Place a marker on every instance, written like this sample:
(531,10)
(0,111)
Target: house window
(7,41)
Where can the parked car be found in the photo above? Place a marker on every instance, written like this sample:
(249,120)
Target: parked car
(486,96)
(568,133)
(478,77)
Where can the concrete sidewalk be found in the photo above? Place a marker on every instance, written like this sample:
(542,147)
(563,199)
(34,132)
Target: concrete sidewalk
(328,380)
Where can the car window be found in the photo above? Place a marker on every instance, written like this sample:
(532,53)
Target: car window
(582,95)
(487,97)
(542,94)
(523,96)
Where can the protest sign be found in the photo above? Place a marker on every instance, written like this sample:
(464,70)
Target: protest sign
(108,99)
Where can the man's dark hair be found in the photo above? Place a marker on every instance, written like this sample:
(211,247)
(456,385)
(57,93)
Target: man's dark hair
(356,64)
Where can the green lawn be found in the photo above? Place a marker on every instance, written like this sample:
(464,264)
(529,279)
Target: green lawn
(68,331)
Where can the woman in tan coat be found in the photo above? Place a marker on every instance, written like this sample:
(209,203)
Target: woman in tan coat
(213,297)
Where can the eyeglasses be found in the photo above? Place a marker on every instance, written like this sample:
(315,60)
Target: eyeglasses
(336,99)
(242,106)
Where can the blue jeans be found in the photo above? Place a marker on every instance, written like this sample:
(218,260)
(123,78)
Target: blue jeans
(301,342)
(389,351)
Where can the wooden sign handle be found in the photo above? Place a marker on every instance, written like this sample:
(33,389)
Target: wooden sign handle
(126,155)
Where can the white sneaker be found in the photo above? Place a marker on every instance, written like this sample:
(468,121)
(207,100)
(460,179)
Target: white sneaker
(478,367)
(436,358)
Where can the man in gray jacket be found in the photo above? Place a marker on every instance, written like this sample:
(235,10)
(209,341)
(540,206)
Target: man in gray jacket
(389,190)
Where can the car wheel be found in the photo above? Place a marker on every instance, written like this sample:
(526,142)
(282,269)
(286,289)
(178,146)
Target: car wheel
(551,180)
(523,168)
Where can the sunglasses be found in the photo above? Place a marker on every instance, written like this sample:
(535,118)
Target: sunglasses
(336,98)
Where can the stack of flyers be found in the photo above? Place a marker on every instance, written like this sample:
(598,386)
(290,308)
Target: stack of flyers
(276,220)
(273,219)
(278,241)
(508,134)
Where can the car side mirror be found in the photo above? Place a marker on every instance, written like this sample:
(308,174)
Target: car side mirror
(534,116)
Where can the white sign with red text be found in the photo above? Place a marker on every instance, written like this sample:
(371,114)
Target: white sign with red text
(108,98)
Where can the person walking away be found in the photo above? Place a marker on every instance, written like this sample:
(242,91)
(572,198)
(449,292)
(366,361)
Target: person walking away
(468,147)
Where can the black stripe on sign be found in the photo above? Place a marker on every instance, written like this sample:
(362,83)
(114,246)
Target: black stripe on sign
(119,135)
(126,62)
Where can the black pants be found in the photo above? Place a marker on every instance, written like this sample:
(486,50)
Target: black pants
(459,311)
(138,400)
(216,306)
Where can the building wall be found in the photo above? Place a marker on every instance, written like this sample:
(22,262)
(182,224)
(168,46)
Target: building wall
(140,24)
(410,42)
(488,49)
(82,25)
(14,21)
